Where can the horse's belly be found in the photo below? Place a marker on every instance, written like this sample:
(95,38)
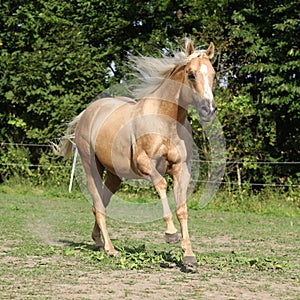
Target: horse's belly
(112,140)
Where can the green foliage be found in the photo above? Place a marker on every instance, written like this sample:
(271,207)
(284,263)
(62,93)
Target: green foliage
(57,56)
(14,162)
(226,262)
(16,165)
(265,66)
(267,201)
(140,258)
(46,67)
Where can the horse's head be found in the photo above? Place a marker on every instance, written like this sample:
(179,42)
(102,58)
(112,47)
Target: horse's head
(198,77)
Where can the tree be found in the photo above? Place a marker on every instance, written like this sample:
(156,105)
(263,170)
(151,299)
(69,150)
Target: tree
(265,82)
(56,56)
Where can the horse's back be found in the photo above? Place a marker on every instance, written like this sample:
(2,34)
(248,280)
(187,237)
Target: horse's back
(103,131)
(98,112)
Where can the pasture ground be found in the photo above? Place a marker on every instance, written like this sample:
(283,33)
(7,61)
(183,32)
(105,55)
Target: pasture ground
(46,253)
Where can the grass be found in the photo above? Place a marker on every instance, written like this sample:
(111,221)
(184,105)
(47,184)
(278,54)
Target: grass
(45,244)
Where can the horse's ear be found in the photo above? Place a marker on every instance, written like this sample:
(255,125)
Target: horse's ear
(189,48)
(210,50)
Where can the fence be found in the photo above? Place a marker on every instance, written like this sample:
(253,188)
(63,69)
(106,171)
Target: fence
(238,183)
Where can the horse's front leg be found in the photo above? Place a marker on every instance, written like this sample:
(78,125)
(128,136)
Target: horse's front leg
(149,171)
(181,176)
(189,257)
(171,234)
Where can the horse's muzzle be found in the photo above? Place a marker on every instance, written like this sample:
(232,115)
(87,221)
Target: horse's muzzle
(207,111)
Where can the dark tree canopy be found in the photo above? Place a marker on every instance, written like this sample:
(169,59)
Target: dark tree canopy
(56,56)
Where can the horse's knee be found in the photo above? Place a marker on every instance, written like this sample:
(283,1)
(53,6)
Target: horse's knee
(161,184)
(181,212)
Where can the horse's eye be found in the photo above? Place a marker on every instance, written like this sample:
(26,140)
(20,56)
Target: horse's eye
(191,75)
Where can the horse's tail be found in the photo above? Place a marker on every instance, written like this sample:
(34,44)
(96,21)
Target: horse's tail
(67,142)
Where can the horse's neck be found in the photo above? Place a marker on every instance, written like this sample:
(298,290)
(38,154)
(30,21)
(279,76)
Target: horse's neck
(165,100)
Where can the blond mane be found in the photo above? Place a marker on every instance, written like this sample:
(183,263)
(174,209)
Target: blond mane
(152,71)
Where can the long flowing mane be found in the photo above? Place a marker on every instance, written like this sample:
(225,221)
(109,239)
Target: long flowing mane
(152,71)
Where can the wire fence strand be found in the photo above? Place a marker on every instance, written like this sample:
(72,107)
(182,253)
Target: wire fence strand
(25,145)
(242,162)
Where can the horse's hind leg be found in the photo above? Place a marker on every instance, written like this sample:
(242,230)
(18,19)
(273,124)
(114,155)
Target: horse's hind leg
(94,173)
(112,184)
(96,234)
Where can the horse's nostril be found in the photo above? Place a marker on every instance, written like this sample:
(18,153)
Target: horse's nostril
(205,109)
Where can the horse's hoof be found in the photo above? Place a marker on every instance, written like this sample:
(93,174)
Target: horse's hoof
(172,238)
(190,261)
(112,252)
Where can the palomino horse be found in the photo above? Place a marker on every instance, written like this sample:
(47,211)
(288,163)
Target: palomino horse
(147,138)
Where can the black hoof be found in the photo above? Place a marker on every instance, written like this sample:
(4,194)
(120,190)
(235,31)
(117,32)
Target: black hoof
(190,261)
(172,238)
